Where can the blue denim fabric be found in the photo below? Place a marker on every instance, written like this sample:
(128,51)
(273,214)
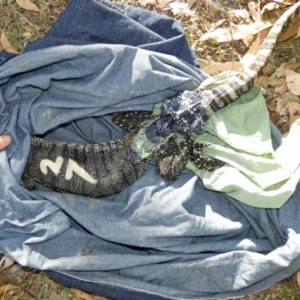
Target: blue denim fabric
(5,56)
(156,239)
(99,21)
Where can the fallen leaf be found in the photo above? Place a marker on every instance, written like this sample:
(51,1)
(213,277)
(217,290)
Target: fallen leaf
(239,16)
(298,33)
(269,6)
(249,57)
(295,66)
(85,296)
(6,288)
(27,4)
(217,68)
(241,13)
(146,2)
(191,3)
(283,1)
(293,81)
(236,32)
(282,107)
(269,67)
(298,279)
(291,30)
(179,9)
(275,82)
(282,88)
(280,71)
(254,10)
(294,111)
(204,63)
(7,46)
(263,81)
(8,261)
(218,24)
(274,116)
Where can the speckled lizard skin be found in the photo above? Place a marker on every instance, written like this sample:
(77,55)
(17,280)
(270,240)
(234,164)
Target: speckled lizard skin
(171,158)
(94,170)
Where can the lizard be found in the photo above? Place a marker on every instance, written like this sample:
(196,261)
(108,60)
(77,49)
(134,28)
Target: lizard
(94,170)
(127,158)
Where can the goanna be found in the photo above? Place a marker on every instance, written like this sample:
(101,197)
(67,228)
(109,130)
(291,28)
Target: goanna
(98,170)
(84,172)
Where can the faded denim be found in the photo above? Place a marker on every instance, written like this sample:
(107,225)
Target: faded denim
(156,239)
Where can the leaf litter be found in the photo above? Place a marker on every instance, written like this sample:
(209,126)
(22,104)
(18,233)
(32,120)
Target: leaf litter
(224,40)
(27,4)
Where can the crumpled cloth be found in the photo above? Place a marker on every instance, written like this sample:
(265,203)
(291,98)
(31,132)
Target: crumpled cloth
(255,173)
(156,239)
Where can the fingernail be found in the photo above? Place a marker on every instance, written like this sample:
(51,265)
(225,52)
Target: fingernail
(6,138)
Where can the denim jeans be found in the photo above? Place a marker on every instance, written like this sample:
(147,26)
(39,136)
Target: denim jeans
(156,239)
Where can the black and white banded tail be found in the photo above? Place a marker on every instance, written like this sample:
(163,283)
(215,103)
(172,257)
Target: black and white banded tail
(94,170)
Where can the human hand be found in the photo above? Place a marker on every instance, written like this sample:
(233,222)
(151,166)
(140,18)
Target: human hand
(5,140)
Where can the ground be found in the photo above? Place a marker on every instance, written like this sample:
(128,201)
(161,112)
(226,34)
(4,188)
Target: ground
(22,21)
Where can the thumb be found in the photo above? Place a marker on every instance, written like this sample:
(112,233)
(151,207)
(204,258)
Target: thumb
(5,140)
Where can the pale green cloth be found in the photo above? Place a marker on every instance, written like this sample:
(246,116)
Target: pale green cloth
(254,173)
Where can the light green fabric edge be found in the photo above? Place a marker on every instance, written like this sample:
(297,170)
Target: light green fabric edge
(254,173)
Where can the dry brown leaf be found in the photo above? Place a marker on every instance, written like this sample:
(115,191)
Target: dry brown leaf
(269,6)
(190,2)
(298,279)
(295,66)
(85,296)
(275,82)
(284,2)
(254,10)
(239,16)
(7,46)
(8,261)
(291,31)
(274,116)
(248,40)
(145,2)
(6,288)
(249,57)
(298,33)
(263,81)
(218,24)
(217,68)
(237,32)
(203,63)
(293,81)
(282,88)
(181,9)
(27,4)
(294,111)
(279,73)
(282,107)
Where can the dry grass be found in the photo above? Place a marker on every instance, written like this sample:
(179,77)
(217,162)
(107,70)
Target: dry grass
(31,284)
(22,26)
